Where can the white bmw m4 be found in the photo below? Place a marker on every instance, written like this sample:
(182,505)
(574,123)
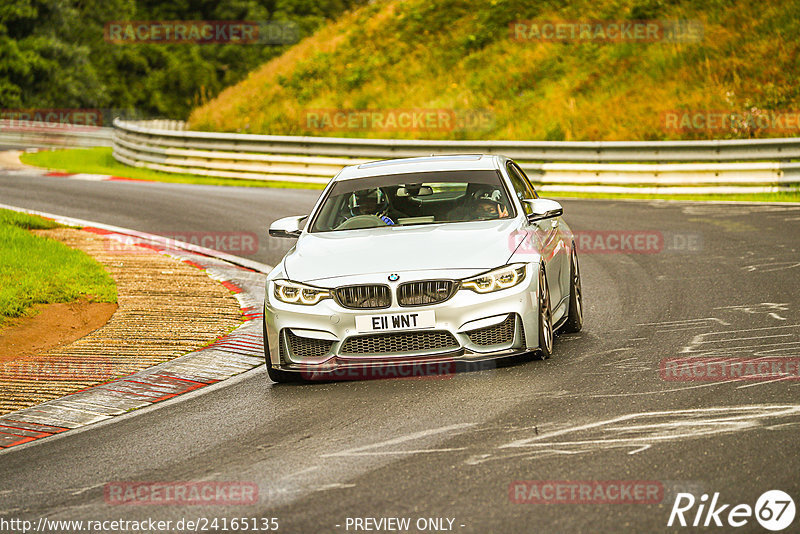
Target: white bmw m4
(409,266)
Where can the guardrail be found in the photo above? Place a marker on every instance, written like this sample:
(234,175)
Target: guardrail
(730,166)
(52,135)
(781,149)
(735,166)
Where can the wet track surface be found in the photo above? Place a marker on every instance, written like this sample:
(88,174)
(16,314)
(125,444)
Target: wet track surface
(724,282)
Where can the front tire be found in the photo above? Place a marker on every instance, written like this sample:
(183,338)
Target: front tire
(276,375)
(545,318)
(575,314)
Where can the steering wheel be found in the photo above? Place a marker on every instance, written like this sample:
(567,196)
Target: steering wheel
(361,221)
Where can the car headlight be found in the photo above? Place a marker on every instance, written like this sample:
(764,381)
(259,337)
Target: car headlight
(295,293)
(495,280)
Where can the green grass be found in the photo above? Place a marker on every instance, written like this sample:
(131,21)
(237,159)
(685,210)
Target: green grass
(40,270)
(28,222)
(100,161)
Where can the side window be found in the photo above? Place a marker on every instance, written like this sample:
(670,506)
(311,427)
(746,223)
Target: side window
(522,187)
(526,179)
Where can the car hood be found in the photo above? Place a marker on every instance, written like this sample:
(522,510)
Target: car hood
(474,245)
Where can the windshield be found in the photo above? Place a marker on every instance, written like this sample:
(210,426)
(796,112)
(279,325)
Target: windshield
(411,199)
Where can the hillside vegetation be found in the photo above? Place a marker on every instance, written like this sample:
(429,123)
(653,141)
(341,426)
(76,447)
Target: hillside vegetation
(458,55)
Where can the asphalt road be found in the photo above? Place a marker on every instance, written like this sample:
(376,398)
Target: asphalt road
(723,282)
(171,210)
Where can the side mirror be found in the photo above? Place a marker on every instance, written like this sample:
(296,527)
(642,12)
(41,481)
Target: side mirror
(287,227)
(543,208)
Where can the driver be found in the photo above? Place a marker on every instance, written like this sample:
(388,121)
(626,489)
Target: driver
(370,202)
(482,202)
(488,208)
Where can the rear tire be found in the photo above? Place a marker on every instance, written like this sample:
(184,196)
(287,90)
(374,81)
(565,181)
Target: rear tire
(575,314)
(545,318)
(276,375)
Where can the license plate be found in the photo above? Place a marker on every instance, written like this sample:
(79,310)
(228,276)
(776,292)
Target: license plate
(396,321)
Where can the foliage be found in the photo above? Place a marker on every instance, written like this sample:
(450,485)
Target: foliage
(53,53)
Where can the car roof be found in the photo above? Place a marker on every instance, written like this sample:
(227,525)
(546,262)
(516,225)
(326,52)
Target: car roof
(455,162)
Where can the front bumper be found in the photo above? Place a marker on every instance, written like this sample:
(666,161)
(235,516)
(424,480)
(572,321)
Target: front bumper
(322,340)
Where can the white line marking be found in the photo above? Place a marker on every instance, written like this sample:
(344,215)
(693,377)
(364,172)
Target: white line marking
(731,339)
(753,329)
(84,490)
(334,485)
(384,453)
(680,329)
(690,424)
(684,321)
(303,471)
(742,421)
(655,392)
(771,267)
(761,383)
(359,451)
(770,308)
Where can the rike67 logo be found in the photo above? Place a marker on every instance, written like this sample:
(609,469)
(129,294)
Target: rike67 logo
(774,510)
